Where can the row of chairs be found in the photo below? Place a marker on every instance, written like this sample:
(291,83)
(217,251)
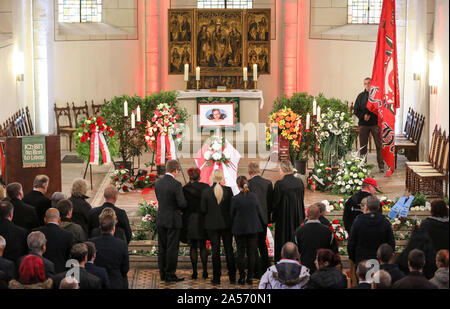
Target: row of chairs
(63,116)
(19,124)
(409,140)
(431,177)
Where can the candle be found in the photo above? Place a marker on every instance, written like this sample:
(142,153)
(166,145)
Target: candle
(125,109)
(197,73)
(133,124)
(186,72)
(307,121)
(314,107)
(255,72)
(318,113)
(138,116)
(244,73)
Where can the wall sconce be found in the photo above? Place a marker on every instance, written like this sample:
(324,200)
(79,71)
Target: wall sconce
(18,65)
(435,75)
(418,64)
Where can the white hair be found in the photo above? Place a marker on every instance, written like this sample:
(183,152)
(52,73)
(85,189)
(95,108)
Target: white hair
(2,243)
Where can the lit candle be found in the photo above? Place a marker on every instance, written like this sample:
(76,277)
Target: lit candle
(314,107)
(186,72)
(318,113)
(138,114)
(125,109)
(133,124)
(197,73)
(307,121)
(244,73)
(255,72)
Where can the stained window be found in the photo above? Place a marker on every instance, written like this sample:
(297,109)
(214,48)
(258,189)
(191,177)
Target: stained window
(80,11)
(364,11)
(224,4)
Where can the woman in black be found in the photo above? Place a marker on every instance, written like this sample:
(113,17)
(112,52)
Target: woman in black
(437,225)
(194,221)
(329,274)
(247,223)
(215,204)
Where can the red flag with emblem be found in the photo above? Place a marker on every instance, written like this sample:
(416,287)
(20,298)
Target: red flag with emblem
(384,89)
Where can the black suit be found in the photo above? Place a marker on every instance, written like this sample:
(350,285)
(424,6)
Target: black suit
(100,272)
(40,203)
(264,190)
(112,254)
(87,281)
(169,193)
(16,240)
(218,226)
(122,219)
(24,215)
(49,266)
(361,286)
(59,244)
(8,267)
(80,213)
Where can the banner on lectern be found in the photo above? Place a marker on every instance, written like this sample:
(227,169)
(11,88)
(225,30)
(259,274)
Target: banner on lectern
(33,151)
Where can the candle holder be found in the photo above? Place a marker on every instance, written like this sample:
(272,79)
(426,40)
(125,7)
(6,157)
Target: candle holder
(185,85)
(255,84)
(198,85)
(245,85)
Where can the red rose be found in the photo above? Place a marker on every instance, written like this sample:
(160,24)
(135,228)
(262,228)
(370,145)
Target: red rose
(131,180)
(121,166)
(177,117)
(116,179)
(335,221)
(226,162)
(83,139)
(82,125)
(101,128)
(141,178)
(269,225)
(125,176)
(92,126)
(395,227)
(86,134)
(124,188)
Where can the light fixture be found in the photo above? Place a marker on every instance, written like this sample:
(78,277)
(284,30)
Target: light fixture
(418,64)
(435,73)
(18,65)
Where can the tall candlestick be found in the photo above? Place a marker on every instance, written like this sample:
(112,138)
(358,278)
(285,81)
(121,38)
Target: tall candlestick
(138,114)
(255,72)
(307,121)
(318,114)
(197,73)
(133,124)
(125,109)
(244,74)
(314,107)
(186,72)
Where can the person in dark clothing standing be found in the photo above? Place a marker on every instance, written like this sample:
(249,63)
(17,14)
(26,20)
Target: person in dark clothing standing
(437,225)
(385,254)
(215,204)
(171,202)
(288,206)
(7,266)
(361,273)
(98,271)
(37,198)
(24,214)
(264,191)
(15,236)
(369,231)
(195,221)
(368,124)
(311,236)
(415,279)
(81,207)
(353,207)
(247,223)
(327,275)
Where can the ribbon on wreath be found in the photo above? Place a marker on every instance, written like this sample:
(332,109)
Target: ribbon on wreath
(98,144)
(2,160)
(164,144)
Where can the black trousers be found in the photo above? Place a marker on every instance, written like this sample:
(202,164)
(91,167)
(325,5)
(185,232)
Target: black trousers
(227,239)
(263,264)
(364,133)
(246,244)
(168,244)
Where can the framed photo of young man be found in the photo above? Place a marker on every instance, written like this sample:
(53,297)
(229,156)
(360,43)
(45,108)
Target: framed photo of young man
(212,115)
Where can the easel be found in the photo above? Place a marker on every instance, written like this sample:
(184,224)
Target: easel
(90,172)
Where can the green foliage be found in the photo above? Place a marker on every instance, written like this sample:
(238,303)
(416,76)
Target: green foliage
(419,200)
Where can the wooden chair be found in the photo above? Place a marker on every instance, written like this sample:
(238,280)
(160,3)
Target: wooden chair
(96,108)
(406,131)
(412,143)
(80,111)
(64,129)
(29,121)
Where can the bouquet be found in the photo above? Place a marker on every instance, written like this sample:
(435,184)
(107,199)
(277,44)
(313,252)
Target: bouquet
(321,179)
(215,154)
(122,180)
(289,126)
(335,136)
(95,126)
(165,121)
(339,232)
(386,203)
(334,205)
(351,175)
(398,223)
(149,212)
(145,181)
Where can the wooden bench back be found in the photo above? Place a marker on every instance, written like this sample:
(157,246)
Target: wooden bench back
(61,112)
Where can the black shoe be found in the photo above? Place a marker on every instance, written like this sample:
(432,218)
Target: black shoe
(205,275)
(249,281)
(241,280)
(174,279)
(194,275)
(215,281)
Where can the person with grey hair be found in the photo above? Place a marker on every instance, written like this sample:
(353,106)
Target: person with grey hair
(288,273)
(382,280)
(362,270)
(37,197)
(37,245)
(81,206)
(15,236)
(7,266)
(288,206)
(56,197)
(69,283)
(24,214)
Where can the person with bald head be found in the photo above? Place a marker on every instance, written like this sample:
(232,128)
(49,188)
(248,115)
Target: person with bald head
(313,235)
(59,241)
(111,194)
(37,197)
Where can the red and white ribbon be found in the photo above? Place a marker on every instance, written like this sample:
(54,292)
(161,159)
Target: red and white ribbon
(164,144)
(98,144)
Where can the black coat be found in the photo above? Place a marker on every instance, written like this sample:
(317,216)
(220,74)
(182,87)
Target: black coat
(40,203)
(288,210)
(87,281)
(59,244)
(438,232)
(310,237)
(361,286)
(217,216)
(112,254)
(122,219)
(100,272)
(49,266)
(394,271)
(80,213)
(327,278)
(24,215)
(368,232)
(8,267)
(16,240)
(352,209)
(193,219)
(263,189)
(171,202)
(118,233)
(415,280)
(360,109)
(245,214)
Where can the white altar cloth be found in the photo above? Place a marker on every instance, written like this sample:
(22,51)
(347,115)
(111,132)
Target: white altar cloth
(249,94)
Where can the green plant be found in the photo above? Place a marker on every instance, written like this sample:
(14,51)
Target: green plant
(419,200)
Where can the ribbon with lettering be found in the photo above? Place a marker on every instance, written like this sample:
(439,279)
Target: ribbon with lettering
(98,144)
(164,145)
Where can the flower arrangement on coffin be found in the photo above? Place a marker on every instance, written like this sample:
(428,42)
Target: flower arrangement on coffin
(351,175)
(402,235)
(321,179)
(165,121)
(145,181)
(334,205)
(215,153)
(149,212)
(339,232)
(94,129)
(386,203)
(122,180)
(399,223)
(289,126)
(335,135)
(427,207)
